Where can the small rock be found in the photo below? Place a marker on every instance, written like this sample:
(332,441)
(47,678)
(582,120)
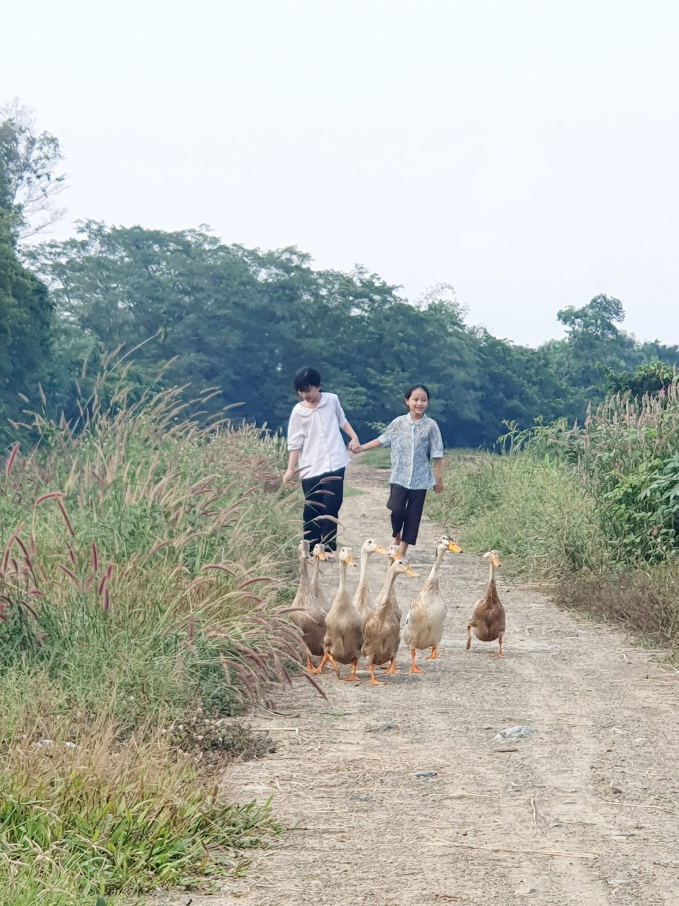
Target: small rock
(43,744)
(425,774)
(513,733)
(524,889)
(380,728)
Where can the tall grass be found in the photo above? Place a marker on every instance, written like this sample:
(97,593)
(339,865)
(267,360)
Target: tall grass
(533,510)
(143,565)
(594,508)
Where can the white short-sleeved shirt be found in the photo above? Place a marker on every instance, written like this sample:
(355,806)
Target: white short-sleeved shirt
(316,434)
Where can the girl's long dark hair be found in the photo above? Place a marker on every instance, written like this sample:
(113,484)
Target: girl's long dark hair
(409,392)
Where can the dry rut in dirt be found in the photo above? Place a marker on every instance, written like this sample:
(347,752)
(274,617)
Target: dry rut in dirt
(582,812)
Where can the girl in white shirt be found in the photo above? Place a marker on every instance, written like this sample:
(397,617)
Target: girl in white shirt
(315,442)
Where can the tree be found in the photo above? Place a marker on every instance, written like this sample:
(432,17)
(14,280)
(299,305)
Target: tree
(28,163)
(594,343)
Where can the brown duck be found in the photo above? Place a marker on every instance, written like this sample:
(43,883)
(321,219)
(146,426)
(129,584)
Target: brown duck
(306,613)
(488,619)
(382,631)
(344,625)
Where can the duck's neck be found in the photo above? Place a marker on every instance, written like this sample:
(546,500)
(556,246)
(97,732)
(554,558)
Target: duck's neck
(304,572)
(387,590)
(433,579)
(342,578)
(491,574)
(314,571)
(365,556)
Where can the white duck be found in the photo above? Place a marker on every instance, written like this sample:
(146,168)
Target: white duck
(424,623)
(363,601)
(344,626)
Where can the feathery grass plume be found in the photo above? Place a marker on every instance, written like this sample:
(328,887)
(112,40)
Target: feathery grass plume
(150,593)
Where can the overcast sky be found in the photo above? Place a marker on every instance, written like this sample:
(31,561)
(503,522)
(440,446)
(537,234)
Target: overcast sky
(525,151)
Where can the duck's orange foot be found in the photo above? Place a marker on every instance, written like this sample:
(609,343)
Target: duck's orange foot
(434,656)
(373,681)
(316,670)
(499,654)
(391,669)
(351,677)
(333,664)
(413,667)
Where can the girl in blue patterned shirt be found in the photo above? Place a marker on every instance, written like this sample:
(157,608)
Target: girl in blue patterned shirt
(414,440)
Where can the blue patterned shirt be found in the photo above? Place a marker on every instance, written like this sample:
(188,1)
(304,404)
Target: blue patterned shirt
(413,446)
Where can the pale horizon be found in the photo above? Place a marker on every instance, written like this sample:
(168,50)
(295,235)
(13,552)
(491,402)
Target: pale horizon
(523,152)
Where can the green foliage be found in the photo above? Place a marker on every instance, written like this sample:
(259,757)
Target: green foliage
(649,377)
(595,506)
(28,181)
(143,564)
(378,457)
(84,821)
(533,510)
(243,321)
(26,311)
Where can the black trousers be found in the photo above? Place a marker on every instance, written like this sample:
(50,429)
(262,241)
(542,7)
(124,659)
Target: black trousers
(323,495)
(406,512)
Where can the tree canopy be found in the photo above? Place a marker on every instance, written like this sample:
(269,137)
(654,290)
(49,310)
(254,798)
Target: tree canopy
(189,310)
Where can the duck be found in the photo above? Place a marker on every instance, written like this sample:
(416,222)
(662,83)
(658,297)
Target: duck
(488,619)
(424,623)
(344,625)
(305,613)
(318,554)
(362,598)
(382,630)
(394,553)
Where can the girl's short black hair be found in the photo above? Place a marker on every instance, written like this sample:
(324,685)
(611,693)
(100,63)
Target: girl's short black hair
(409,392)
(305,378)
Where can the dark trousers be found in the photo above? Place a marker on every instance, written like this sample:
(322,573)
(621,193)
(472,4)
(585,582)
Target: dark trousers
(323,495)
(406,512)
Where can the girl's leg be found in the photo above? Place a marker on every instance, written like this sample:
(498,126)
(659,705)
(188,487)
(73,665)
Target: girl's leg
(332,488)
(413,517)
(398,497)
(312,508)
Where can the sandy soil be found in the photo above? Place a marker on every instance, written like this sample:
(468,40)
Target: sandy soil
(582,812)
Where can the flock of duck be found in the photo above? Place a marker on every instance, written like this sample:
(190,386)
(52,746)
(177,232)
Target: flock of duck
(355,626)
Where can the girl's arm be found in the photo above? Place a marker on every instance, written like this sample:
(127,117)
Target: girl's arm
(353,436)
(293,456)
(436,448)
(438,475)
(369,446)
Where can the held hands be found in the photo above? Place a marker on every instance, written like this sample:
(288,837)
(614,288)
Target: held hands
(354,446)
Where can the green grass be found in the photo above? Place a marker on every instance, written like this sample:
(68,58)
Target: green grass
(352,492)
(547,526)
(378,458)
(534,512)
(143,565)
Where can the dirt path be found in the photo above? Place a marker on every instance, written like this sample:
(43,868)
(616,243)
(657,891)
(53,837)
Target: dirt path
(598,780)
